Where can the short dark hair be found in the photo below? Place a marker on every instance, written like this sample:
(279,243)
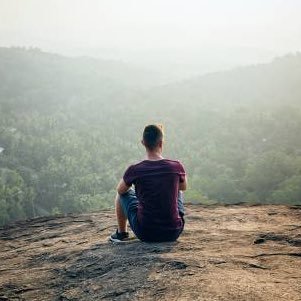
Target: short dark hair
(152,135)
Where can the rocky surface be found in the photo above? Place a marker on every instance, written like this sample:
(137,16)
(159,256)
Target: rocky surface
(225,253)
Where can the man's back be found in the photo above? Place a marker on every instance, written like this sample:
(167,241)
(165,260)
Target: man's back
(157,187)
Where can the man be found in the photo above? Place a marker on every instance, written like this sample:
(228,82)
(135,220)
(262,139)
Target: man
(155,208)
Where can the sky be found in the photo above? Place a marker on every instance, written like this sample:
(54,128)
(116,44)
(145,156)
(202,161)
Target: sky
(171,27)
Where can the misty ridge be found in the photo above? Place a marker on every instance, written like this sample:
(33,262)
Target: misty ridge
(69,126)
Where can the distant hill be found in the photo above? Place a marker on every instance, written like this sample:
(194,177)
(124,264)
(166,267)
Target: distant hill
(275,83)
(32,77)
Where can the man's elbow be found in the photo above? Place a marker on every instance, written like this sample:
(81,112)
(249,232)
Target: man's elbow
(121,190)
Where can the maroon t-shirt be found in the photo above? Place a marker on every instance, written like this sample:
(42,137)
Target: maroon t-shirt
(157,187)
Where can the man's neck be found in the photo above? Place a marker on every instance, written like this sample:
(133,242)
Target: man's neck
(154,155)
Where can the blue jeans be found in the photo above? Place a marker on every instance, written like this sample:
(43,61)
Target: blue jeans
(129,205)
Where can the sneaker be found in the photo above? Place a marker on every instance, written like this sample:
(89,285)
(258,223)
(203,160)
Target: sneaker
(119,237)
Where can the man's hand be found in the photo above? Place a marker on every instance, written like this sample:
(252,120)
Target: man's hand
(122,187)
(183,185)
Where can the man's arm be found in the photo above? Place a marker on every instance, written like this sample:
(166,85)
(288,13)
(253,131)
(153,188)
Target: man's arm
(183,185)
(122,187)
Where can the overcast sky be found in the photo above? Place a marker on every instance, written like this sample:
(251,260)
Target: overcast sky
(63,25)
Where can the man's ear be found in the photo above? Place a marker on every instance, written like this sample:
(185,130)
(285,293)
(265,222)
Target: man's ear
(142,142)
(160,143)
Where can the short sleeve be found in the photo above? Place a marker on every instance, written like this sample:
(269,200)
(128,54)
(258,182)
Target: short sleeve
(129,176)
(182,172)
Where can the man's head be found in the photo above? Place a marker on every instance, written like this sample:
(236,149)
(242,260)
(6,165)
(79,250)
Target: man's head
(153,137)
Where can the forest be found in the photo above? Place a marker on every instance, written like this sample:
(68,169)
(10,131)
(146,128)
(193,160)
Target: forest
(69,127)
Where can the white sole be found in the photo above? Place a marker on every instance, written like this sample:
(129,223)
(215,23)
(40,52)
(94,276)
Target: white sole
(127,240)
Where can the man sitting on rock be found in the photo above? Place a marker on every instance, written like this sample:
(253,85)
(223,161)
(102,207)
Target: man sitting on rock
(154,208)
